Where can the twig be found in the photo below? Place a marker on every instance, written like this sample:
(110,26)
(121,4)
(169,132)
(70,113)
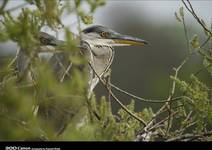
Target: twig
(186,120)
(66,72)
(190,137)
(108,81)
(187,126)
(195,74)
(63,67)
(191,10)
(155,126)
(204,43)
(116,99)
(143,99)
(149,124)
(186,34)
(162,121)
(168,104)
(14,59)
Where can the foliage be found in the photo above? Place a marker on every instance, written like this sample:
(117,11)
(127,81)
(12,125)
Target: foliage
(65,112)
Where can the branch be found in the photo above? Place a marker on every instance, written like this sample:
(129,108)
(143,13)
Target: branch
(190,137)
(14,59)
(66,72)
(168,104)
(116,99)
(186,33)
(150,123)
(149,129)
(193,13)
(143,99)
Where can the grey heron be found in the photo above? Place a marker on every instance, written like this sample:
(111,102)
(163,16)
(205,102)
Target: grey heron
(96,43)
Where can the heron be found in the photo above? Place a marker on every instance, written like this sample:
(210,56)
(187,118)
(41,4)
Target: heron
(100,42)
(96,43)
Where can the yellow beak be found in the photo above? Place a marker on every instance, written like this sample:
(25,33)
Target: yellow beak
(129,40)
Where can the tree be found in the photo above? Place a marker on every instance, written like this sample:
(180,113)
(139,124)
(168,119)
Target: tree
(24,102)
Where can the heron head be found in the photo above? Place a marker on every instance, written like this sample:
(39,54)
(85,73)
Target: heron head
(100,35)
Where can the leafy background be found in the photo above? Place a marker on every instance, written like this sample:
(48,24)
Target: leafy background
(143,71)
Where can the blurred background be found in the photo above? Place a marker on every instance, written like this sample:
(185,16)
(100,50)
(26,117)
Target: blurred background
(143,71)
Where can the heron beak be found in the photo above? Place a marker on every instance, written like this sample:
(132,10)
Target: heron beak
(129,40)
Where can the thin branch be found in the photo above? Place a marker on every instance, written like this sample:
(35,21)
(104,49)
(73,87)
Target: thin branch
(191,10)
(162,121)
(63,67)
(149,124)
(195,74)
(14,59)
(186,34)
(116,99)
(189,125)
(190,137)
(206,41)
(204,54)
(66,72)
(172,93)
(108,81)
(185,121)
(155,126)
(143,99)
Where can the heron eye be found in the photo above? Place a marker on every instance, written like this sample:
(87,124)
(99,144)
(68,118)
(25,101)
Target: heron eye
(104,34)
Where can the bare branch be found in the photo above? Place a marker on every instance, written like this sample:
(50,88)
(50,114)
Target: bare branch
(191,137)
(66,72)
(143,99)
(193,13)
(116,99)
(186,35)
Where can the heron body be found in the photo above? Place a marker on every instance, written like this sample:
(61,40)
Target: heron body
(100,58)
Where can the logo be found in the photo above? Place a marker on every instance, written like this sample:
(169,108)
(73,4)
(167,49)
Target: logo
(11,148)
